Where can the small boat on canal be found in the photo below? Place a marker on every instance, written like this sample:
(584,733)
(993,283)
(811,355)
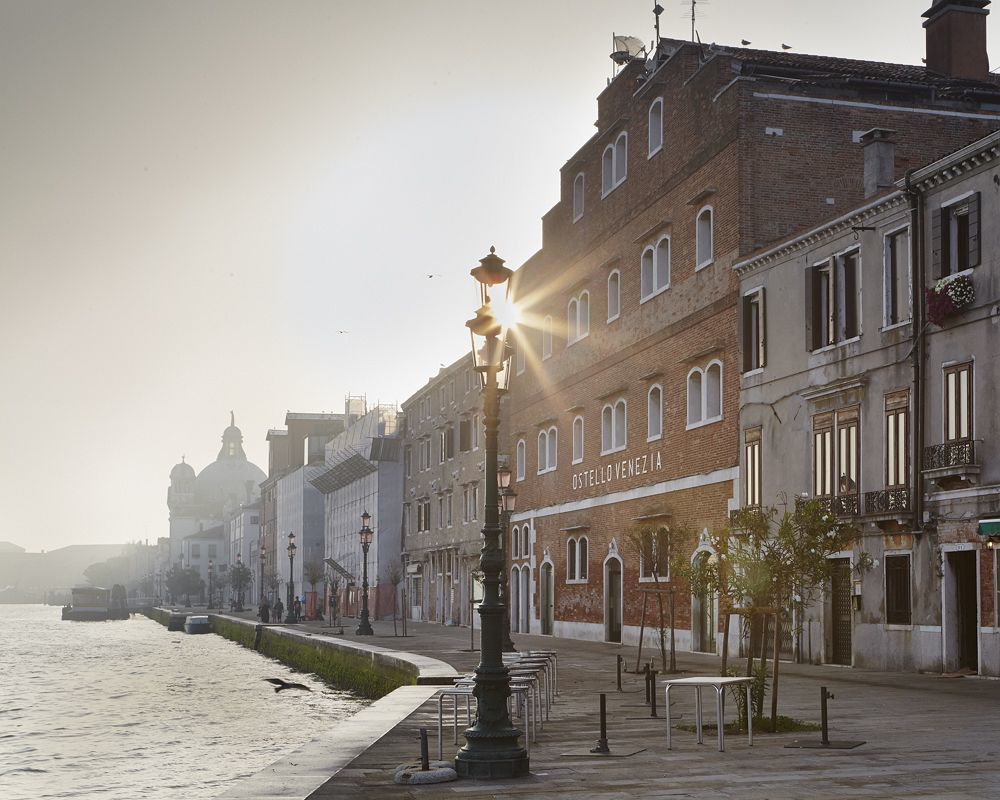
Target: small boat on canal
(88,604)
(197,624)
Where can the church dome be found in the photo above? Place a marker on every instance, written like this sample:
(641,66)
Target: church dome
(182,472)
(231,477)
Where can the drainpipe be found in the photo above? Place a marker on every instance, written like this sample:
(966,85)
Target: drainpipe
(917,352)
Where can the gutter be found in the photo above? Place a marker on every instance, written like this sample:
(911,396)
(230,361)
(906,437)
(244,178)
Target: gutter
(917,350)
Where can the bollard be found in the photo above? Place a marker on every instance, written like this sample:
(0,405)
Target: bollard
(824,695)
(652,692)
(602,743)
(618,664)
(645,673)
(424,757)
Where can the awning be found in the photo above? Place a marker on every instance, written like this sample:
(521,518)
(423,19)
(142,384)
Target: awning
(343,573)
(989,527)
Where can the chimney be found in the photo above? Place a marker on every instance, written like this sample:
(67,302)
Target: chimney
(956,39)
(880,160)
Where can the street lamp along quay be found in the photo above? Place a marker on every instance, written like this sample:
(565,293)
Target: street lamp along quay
(491,749)
(290,615)
(366,534)
(506,502)
(211,568)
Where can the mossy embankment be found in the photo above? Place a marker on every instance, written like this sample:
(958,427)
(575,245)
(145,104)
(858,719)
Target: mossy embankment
(371,673)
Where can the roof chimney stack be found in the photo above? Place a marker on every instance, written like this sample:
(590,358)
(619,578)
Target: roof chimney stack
(956,39)
(880,160)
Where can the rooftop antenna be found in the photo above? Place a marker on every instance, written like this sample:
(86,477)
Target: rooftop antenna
(694,16)
(657,10)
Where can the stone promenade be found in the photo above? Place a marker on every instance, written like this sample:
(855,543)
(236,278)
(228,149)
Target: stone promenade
(926,736)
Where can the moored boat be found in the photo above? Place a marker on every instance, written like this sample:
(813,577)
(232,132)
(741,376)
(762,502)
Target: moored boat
(197,624)
(89,603)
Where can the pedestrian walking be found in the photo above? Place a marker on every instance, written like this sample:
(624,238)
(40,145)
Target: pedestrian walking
(297,609)
(279,610)
(264,611)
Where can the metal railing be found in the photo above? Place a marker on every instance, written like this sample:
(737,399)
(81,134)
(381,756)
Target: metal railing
(842,505)
(887,501)
(950,454)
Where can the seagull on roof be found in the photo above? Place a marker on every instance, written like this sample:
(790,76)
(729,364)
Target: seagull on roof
(745,42)
(785,46)
(280,685)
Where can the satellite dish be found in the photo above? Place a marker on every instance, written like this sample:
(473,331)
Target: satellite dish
(626,48)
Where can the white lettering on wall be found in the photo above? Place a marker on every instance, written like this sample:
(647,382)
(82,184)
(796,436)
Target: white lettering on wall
(618,471)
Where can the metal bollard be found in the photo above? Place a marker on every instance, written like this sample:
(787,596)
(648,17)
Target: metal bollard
(618,663)
(424,757)
(602,743)
(823,696)
(645,672)
(652,693)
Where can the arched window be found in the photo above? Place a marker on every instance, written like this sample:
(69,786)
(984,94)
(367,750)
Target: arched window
(519,359)
(654,413)
(614,163)
(577,440)
(655,268)
(520,459)
(704,394)
(613,427)
(553,442)
(515,542)
(704,243)
(543,452)
(656,126)
(571,559)
(581,558)
(525,542)
(546,338)
(578,318)
(576,559)
(578,197)
(614,294)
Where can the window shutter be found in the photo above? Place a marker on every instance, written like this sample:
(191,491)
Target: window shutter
(974,249)
(762,322)
(811,307)
(744,326)
(936,243)
(464,439)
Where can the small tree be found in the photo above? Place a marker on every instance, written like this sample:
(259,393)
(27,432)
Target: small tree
(239,578)
(766,562)
(272,582)
(313,572)
(395,576)
(650,543)
(183,582)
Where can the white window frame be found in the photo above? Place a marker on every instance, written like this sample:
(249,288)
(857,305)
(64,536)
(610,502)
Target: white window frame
(618,162)
(519,459)
(645,577)
(701,263)
(551,438)
(891,234)
(650,436)
(578,454)
(652,149)
(616,274)
(658,283)
(576,546)
(616,446)
(547,338)
(577,322)
(578,197)
(704,419)
(515,543)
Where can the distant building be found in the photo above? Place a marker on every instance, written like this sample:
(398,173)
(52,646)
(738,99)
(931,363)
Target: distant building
(443,494)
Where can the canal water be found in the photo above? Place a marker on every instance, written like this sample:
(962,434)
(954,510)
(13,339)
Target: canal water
(126,709)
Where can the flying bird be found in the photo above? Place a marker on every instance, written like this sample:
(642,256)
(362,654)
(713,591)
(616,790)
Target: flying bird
(280,685)
(785,46)
(343,331)
(430,275)
(745,42)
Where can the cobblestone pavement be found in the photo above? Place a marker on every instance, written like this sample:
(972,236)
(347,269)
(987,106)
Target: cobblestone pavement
(926,736)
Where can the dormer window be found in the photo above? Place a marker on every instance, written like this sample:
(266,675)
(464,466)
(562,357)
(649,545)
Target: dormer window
(614,164)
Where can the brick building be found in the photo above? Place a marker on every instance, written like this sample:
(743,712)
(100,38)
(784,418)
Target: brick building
(623,410)
(443,493)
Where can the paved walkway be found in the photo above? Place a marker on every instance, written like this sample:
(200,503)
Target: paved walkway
(927,736)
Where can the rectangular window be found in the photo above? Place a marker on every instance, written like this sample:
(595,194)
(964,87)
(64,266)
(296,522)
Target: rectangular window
(823,466)
(406,519)
(442,446)
(449,441)
(833,301)
(213,551)
(848,299)
(753,331)
(655,560)
(477,424)
(464,436)
(897,589)
(407,461)
(958,403)
(475,501)
(897,441)
(441,511)
(751,467)
(955,242)
(195,550)
(847,451)
(466,504)
(897,277)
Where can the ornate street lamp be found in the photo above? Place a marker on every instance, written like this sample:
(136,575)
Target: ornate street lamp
(239,588)
(263,555)
(290,615)
(491,749)
(506,503)
(365,534)
(210,570)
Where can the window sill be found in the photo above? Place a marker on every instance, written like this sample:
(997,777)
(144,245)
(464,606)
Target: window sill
(702,423)
(893,626)
(830,347)
(651,295)
(613,450)
(577,461)
(752,372)
(965,273)
(571,342)
(609,191)
(546,357)
(704,264)
(612,319)
(659,148)
(654,438)
(651,579)
(895,326)
(577,218)
(546,471)
(576,581)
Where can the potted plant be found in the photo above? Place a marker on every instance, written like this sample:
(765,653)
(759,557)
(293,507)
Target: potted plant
(949,296)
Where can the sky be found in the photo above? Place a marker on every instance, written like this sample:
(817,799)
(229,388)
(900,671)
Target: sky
(236,205)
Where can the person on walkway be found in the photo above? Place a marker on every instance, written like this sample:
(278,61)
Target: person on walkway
(279,610)
(264,612)
(297,610)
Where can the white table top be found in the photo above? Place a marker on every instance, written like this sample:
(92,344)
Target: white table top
(718,680)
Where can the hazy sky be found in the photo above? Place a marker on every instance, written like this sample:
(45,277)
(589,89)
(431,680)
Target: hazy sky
(195,197)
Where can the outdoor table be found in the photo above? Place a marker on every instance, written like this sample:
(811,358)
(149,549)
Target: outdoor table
(720,685)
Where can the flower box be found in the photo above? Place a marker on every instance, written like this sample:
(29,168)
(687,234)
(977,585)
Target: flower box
(949,296)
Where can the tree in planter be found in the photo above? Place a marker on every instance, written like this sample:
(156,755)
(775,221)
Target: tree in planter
(650,543)
(767,561)
(395,576)
(272,582)
(313,572)
(239,579)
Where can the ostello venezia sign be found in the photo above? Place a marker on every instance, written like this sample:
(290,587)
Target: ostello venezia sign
(618,470)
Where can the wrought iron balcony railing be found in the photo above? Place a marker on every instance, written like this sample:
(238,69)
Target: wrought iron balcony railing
(888,501)
(950,454)
(842,505)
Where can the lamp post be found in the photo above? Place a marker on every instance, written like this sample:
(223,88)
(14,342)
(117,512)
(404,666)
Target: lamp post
(290,615)
(210,570)
(263,555)
(508,497)
(491,749)
(239,589)
(365,534)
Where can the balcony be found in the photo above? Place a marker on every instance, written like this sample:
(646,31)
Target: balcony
(952,465)
(842,505)
(889,508)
